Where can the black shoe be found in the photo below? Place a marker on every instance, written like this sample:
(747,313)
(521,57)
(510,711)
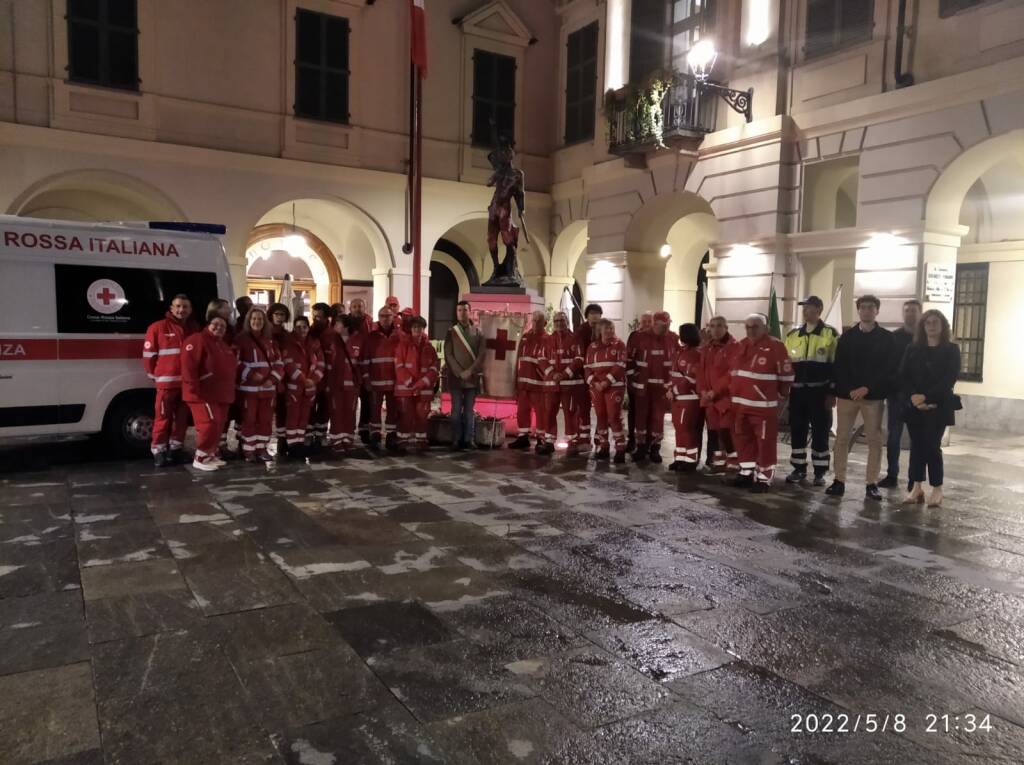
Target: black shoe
(364,436)
(630,445)
(742,481)
(759,487)
(602,453)
(687,467)
(549,449)
(160,460)
(229,456)
(523,442)
(639,454)
(819,480)
(871,492)
(655,453)
(677,465)
(620,457)
(837,489)
(298,452)
(796,476)
(374,441)
(889,482)
(458,446)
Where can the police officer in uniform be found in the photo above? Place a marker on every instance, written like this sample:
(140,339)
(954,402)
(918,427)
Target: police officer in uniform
(812,351)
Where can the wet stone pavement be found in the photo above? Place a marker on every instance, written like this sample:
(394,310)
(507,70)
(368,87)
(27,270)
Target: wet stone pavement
(499,607)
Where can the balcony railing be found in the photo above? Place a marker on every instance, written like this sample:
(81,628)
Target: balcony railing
(647,117)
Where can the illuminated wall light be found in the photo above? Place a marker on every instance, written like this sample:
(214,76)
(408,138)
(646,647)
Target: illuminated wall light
(615,45)
(665,251)
(744,250)
(295,243)
(886,251)
(757,21)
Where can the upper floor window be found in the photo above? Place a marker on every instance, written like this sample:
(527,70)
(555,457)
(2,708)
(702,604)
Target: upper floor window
(494,97)
(951,7)
(834,24)
(691,19)
(321,66)
(580,84)
(969,308)
(103,43)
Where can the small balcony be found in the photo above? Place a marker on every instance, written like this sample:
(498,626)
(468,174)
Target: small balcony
(667,110)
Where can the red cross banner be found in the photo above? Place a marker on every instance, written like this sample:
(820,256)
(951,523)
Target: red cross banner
(501,335)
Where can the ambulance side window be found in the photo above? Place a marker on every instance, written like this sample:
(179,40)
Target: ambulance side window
(26,293)
(103,299)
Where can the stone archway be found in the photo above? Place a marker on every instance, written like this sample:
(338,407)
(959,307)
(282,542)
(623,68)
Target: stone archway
(330,290)
(93,196)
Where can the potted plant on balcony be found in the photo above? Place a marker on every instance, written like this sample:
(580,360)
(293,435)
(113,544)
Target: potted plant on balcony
(635,113)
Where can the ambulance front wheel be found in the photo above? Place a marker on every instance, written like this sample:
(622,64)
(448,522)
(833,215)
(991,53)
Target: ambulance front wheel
(128,426)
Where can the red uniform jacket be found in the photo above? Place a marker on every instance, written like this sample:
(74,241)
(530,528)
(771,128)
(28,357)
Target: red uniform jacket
(685,367)
(378,359)
(761,374)
(607,361)
(303,360)
(713,371)
(161,353)
(260,369)
(416,367)
(208,367)
(652,357)
(531,363)
(342,358)
(563,355)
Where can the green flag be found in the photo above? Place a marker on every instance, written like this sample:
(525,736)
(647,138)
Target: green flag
(774,327)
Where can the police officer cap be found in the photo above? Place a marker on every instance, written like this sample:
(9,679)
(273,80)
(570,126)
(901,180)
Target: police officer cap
(812,300)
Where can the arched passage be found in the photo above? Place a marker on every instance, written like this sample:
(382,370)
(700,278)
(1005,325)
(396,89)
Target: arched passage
(345,238)
(275,249)
(95,195)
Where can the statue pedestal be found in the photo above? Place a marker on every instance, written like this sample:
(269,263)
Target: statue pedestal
(511,299)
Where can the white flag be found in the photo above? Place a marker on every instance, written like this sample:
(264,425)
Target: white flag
(834,317)
(566,304)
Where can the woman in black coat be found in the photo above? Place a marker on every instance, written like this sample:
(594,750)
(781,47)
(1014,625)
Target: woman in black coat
(927,375)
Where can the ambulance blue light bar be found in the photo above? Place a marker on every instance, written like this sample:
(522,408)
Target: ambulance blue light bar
(193,228)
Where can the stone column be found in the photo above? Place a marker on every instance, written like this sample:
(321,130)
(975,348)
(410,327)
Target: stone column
(551,289)
(625,284)
(740,278)
(381,288)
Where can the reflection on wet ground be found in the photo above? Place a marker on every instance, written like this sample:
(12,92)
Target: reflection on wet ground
(499,607)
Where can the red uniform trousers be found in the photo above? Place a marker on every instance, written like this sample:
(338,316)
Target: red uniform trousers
(530,408)
(298,406)
(209,420)
(413,412)
(256,422)
(583,404)
(756,435)
(608,407)
(170,420)
(651,408)
(342,401)
(564,397)
(381,397)
(688,421)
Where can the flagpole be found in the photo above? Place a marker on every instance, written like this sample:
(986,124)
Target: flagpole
(417,232)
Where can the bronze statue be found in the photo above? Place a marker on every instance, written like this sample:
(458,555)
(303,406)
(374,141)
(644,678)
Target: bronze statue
(508,187)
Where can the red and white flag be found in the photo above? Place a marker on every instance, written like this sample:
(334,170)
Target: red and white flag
(419,36)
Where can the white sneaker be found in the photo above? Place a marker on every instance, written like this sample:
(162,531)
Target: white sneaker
(217,461)
(205,465)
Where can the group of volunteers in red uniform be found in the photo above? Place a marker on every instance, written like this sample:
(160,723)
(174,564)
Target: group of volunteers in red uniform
(734,388)
(303,385)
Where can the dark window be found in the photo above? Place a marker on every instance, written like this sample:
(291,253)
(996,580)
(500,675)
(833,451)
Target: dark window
(969,318)
(580,84)
(833,24)
(321,66)
(663,31)
(494,96)
(103,43)
(691,20)
(951,7)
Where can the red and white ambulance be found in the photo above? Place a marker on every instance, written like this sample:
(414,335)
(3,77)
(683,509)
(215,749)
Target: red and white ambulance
(75,302)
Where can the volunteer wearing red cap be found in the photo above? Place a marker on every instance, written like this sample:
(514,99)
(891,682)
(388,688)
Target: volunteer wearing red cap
(303,371)
(563,377)
(633,393)
(161,357)
(208,386)
(416,376)
(687,418)
(531,366)
(260,373)
(393,303)
(342,351)
(713,378)
(378,367)
(654,353)
(586,334)
(606,378)
(761,378)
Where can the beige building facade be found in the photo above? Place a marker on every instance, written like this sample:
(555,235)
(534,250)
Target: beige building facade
(885,150)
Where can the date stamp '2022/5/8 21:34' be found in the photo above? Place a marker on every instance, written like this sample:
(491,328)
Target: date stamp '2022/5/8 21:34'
(882,722)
